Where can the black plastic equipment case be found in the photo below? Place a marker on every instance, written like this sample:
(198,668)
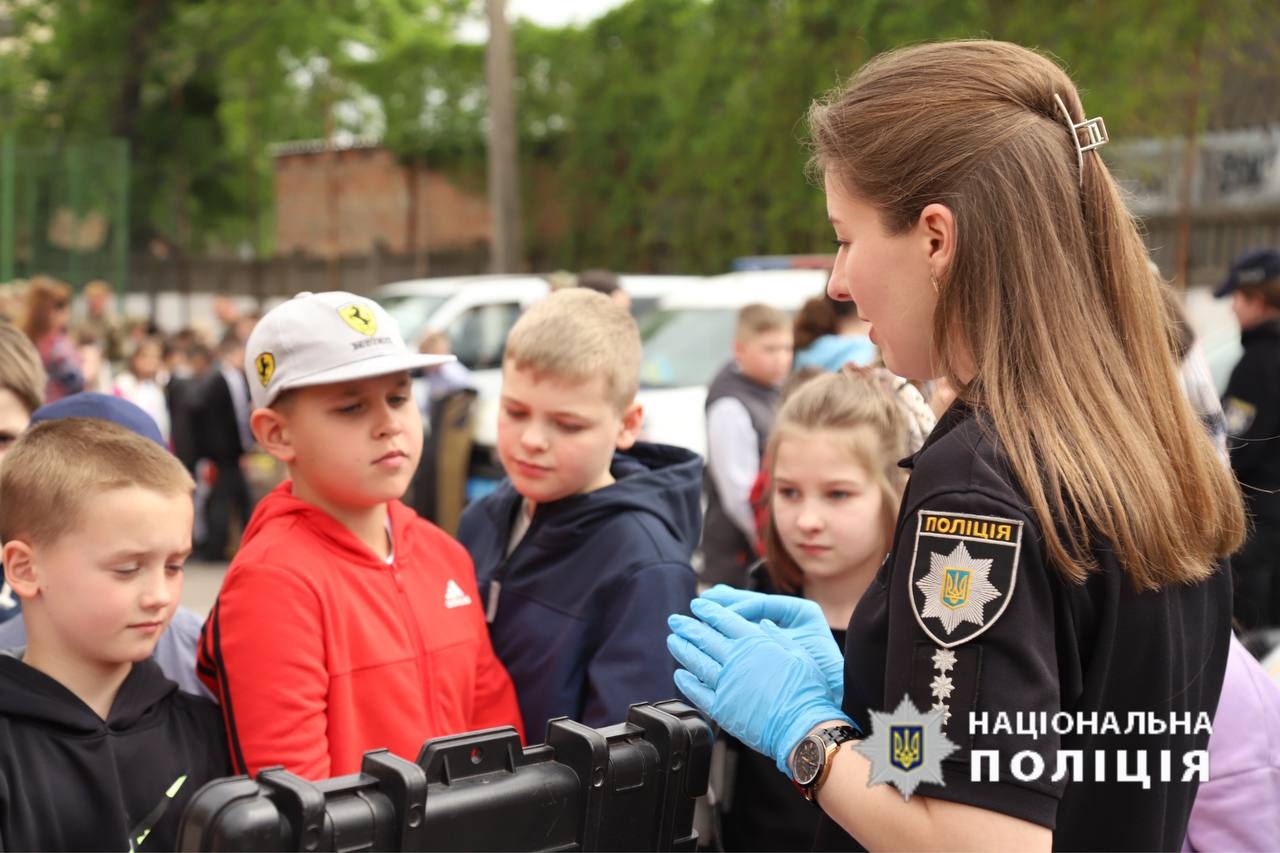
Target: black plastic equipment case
(630,786)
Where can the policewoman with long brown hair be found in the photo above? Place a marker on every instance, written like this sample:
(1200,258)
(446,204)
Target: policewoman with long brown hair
(1055,604)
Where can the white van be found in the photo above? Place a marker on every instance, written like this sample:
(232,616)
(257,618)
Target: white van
(478,311)
(690,337)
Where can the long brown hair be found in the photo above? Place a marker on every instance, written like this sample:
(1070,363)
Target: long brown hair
(45,296)
(855,405)
(1048,292)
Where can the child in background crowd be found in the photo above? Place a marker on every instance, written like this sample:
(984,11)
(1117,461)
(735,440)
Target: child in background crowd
(100,321)
(741,402)
(142,383)
(48,310)
(93,362)
(829,334)
(440,380)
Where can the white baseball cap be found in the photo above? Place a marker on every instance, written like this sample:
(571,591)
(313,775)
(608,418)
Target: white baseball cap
(321,338)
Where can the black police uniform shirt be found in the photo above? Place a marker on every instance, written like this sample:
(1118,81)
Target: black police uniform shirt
(1252,408)
(968,616)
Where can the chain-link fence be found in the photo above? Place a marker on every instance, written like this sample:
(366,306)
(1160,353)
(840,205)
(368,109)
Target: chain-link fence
(64,211)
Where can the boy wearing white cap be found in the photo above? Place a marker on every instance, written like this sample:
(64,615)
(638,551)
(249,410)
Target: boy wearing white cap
(346,622)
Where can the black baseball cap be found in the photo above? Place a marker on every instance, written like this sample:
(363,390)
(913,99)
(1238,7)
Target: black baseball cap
(1251,268)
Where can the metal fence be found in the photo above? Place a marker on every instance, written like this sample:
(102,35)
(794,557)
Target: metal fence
(286,275)
(1222,198)
(64,211)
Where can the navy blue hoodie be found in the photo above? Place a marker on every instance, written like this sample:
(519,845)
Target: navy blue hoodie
(581,619)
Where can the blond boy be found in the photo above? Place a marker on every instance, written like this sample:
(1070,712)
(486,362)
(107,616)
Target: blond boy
(741,402)
(584,550)
(101,750)
(346,622)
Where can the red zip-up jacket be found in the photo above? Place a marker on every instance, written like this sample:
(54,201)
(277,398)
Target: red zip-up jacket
(319,650)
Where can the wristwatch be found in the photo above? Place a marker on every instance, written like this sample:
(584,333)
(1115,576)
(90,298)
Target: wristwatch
(811,759)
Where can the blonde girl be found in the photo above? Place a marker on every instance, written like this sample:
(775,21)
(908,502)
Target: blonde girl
(835,486)
(833,491)
(1058,555)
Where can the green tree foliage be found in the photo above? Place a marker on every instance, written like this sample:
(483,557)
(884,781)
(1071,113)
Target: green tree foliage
(201,90)
(665,135)
(685,142)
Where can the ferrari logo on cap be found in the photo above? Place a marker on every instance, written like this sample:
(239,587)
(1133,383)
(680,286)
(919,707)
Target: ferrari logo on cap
(359,316)
(265,364)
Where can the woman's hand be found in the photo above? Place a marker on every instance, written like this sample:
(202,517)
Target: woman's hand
(750,678)
(800,619)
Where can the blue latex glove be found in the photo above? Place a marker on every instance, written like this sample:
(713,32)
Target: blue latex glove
(800,619)
(758,685)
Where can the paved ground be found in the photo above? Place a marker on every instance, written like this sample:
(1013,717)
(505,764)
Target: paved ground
(200,585)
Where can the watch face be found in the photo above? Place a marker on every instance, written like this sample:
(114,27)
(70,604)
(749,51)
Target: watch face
(809,755)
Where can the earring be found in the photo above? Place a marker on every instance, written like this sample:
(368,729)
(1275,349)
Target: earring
(933,279)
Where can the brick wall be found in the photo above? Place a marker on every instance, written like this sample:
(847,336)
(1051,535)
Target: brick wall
(353,199)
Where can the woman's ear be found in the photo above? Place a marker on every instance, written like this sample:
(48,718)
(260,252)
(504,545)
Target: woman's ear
(20,568)
(937,228)
(271,429)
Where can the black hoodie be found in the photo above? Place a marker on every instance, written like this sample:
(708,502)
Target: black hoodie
(581,618)
(71,781)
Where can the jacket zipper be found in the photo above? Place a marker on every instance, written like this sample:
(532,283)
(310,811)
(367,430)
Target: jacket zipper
(493,590)
(420,659)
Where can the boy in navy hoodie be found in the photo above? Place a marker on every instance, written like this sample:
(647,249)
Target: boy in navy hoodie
(583,552)
(98,750)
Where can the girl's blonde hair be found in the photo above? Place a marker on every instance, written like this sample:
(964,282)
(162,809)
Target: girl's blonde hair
(1049,293)
(873,428)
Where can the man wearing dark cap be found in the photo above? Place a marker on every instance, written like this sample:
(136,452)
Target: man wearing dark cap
(1252,407)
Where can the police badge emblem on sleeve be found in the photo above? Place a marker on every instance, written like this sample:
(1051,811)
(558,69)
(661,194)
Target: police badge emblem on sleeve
(906,747)
(962,573)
